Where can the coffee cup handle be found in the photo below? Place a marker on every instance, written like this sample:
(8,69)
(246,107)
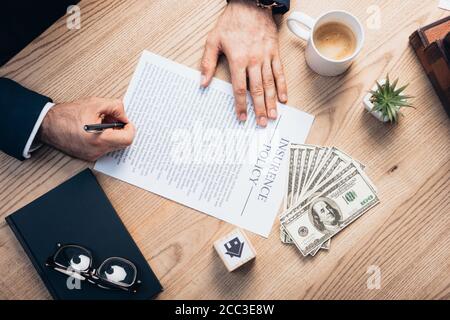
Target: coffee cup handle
(297,18)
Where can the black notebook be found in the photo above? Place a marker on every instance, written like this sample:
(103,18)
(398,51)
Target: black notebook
(24,20)
(78,212)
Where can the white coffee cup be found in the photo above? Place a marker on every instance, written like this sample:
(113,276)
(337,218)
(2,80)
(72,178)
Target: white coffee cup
(315,60)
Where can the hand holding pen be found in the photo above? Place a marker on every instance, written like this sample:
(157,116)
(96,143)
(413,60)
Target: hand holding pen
(100,127)
(64,127)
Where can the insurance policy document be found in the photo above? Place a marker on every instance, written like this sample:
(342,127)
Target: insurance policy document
(190,147)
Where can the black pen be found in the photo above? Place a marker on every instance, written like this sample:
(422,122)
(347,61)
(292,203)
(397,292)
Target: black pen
(97,128)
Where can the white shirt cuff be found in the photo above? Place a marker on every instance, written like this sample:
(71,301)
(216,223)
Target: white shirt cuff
(31,144)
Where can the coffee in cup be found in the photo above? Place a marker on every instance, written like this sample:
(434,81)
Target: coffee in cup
(335,40)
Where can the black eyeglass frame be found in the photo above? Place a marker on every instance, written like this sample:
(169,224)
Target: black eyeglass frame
(91,274)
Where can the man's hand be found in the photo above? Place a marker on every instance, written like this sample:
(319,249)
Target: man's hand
(248,36)
(63,128)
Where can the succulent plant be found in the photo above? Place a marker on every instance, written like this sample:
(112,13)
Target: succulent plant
(388,100)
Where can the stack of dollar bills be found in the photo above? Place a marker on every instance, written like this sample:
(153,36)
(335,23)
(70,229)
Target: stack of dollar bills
(326,190)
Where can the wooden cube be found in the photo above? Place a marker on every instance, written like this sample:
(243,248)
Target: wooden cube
(235,249)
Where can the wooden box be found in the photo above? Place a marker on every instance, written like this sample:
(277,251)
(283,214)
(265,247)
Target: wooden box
(431,44)
(235,249)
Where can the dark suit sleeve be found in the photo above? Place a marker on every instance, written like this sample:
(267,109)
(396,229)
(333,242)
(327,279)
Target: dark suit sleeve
(283,8)
(19,110)
(285,5)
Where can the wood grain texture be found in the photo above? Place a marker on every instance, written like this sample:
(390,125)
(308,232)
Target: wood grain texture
(407,235)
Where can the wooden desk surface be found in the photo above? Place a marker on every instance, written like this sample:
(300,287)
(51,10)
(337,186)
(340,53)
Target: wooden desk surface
(407,236)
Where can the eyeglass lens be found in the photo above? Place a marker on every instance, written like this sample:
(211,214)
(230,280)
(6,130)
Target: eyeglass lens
(74,257)
(118,271)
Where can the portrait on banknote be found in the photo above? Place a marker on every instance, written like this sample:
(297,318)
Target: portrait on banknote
(325,215)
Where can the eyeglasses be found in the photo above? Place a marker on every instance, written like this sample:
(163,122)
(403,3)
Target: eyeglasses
(76,261)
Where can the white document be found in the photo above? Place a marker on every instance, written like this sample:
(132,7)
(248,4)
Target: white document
(190,147)
(444,4)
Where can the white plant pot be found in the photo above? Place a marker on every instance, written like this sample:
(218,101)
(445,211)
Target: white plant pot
(369,105)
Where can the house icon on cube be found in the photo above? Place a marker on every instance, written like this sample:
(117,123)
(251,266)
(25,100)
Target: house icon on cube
(234,247)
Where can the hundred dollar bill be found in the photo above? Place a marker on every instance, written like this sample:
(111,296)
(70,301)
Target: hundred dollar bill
(360,165)
(345,156)
(296,166)
(331,162)
(326,245)
(286,239)
(340,159)
(289,185)
(323,152)
(335,162)
(334,173)
(314,162)
(348,159)
(298,170)
(328,212)
(315,252)
(293,163)
(328,183)
(296,152)
(308,150)
(311,168)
